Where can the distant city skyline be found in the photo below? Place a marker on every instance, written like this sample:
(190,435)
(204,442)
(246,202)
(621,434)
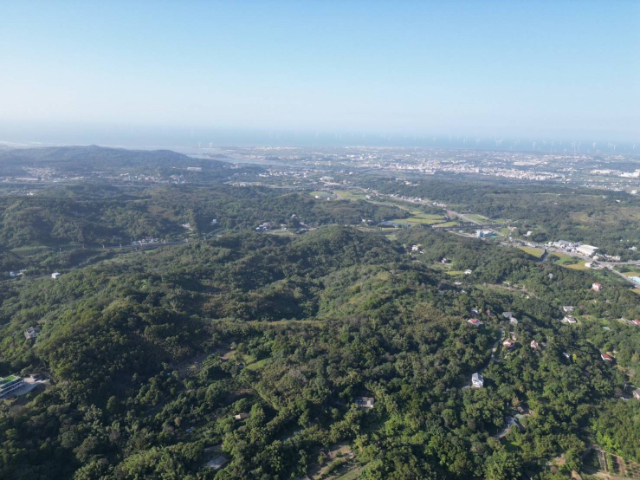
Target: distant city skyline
(137,73)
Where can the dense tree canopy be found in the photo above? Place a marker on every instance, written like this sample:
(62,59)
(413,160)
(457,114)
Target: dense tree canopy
(151,354)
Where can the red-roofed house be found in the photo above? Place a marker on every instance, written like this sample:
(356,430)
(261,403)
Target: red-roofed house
(475,322)
(596,287)
(606,357)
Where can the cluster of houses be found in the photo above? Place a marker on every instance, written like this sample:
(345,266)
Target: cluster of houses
(264,227)
(145,241)
(326,196)
(19,273)
(417,248)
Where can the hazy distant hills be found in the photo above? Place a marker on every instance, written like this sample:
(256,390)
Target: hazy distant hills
(87,159)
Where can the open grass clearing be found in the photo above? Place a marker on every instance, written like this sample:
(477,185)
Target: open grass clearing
(319,192)
(281,233)
(564,259)
(420,219)
(535,252)
(477,218)
(259,365)
(447,224)
(351,474)
(581,265)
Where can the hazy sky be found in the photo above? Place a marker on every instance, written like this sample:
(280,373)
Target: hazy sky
(557,69)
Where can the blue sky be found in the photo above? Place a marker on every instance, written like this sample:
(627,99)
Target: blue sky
(531,69)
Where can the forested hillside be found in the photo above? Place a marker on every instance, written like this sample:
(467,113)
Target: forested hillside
(301,327)
(151,354)
(99,215)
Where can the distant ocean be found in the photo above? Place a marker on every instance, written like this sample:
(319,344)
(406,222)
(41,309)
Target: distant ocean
(193,139)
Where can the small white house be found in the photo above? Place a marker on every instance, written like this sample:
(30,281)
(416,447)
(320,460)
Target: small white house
(55,275)
(477,380)
(365,402)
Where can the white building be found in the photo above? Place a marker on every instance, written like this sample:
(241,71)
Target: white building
(365,402)
(55,275)
(31,333)
(587,250)
(477,380)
